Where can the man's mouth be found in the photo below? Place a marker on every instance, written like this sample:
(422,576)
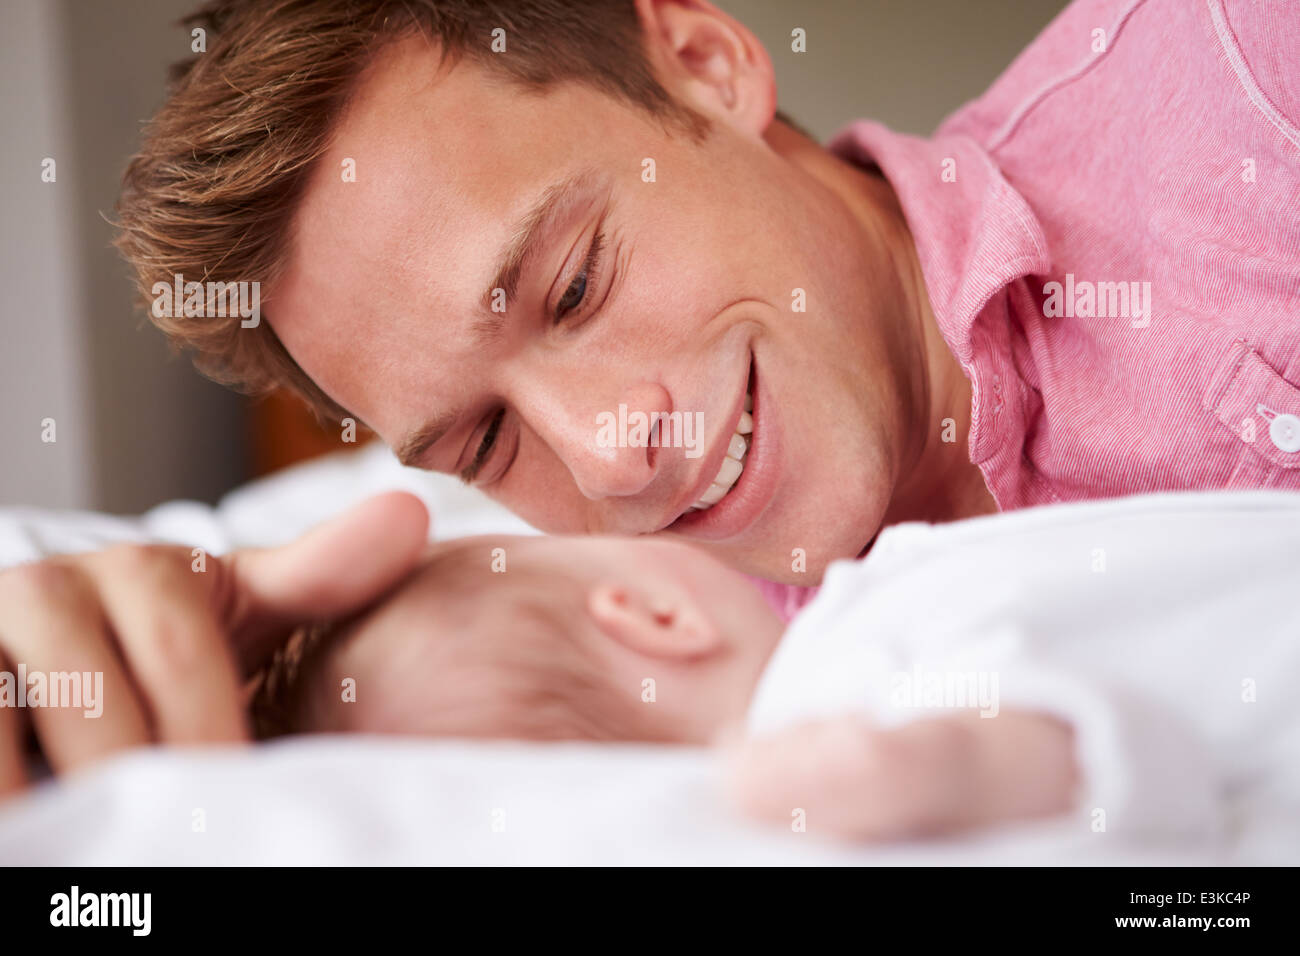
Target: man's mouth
(734,462)
(743,482)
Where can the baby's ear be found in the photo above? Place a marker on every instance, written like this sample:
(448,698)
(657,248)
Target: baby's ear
(666,629)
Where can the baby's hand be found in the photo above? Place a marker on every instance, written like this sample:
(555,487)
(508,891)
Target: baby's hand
(852,780)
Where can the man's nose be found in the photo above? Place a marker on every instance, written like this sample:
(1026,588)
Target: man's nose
(612,450)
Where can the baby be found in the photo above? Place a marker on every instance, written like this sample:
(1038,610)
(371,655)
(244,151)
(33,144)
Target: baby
(1082,659)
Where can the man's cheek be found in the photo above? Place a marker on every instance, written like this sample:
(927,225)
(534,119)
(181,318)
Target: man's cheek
(553,507)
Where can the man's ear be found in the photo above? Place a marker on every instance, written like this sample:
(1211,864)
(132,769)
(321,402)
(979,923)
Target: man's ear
(710,61)
(676,630)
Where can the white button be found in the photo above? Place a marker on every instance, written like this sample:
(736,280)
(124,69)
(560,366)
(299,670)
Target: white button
(1284,430)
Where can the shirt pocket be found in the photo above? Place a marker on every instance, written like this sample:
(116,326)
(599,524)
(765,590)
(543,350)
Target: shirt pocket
(1253,401)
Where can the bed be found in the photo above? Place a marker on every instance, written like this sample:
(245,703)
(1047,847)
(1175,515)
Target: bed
(369,800)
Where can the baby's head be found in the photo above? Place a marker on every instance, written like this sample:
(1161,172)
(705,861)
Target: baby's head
(542,637)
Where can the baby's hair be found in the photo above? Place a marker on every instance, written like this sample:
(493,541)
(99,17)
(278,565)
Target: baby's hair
(546,685)
(277,686)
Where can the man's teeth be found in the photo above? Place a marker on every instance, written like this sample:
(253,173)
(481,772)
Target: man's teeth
(733,464)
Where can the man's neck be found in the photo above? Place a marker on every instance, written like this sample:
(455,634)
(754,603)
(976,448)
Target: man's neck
(935,480)
(938,481)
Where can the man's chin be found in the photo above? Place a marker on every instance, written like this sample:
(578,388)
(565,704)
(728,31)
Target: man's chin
(804,556)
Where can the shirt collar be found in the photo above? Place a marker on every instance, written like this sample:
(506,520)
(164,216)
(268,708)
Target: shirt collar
(974,234)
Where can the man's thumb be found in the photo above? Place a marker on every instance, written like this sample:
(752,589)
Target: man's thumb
(337,567)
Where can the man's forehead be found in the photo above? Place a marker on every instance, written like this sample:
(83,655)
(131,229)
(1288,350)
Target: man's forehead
(413,170)
(398,226)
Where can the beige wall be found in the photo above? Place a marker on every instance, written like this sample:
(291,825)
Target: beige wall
(42,352)
(136,426)
(161,430)
(906,63)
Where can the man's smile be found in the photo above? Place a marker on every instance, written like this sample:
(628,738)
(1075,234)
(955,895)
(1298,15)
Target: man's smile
(738,477)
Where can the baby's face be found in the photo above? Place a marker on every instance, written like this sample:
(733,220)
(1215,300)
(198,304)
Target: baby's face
(649,638)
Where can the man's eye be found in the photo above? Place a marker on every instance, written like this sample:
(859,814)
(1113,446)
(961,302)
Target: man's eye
(470,472)
(586,277)
(572,297)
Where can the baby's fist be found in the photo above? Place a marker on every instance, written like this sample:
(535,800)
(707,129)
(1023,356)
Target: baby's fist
(851,780)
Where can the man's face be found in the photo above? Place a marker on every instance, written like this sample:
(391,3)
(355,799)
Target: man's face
(669,295)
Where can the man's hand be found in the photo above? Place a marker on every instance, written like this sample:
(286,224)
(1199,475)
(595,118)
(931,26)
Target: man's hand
(173,643)
(928,777)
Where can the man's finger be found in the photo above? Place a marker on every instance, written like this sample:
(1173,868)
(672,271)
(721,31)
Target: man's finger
(174,645)
(334,569)
(13,770)
(51,622)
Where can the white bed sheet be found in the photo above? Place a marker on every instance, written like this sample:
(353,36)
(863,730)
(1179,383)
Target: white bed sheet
(355,800)
(262,513)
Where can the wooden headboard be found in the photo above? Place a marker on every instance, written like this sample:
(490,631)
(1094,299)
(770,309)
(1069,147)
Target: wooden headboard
(283,432)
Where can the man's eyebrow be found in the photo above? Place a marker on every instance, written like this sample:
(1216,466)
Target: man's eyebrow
(525,242)
(425,437)
(555,200)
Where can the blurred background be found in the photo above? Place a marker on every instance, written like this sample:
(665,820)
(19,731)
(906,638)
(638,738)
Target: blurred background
(135,425)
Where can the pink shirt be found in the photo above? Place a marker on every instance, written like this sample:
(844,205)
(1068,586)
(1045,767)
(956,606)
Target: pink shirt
(1110,237)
